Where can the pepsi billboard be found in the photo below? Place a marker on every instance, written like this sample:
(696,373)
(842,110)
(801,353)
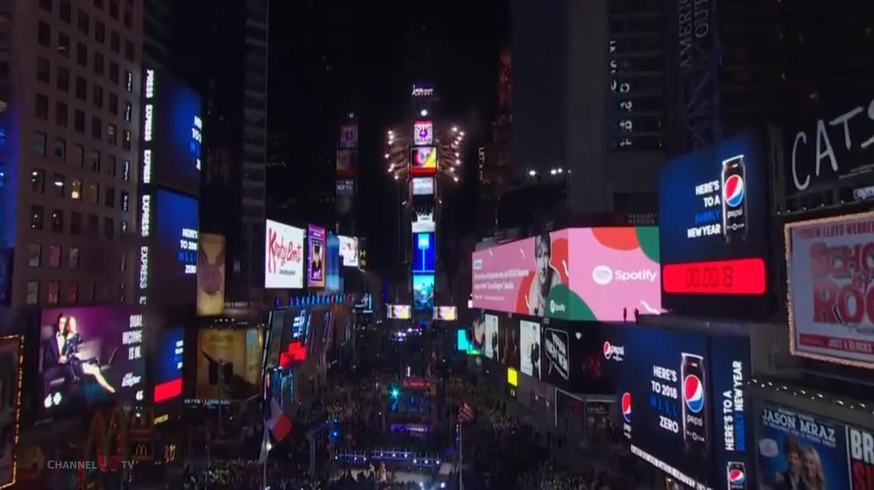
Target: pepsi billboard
(682,401)
(714,228)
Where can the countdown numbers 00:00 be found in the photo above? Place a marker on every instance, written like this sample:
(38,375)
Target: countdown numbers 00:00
(709,277)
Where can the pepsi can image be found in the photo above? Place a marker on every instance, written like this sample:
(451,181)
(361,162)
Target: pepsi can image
(734,202)
(694,394)
(736,475)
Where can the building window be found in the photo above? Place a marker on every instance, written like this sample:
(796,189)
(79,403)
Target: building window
(94,160)
(79,121)
(113,103)
(43,73)
(44,34)
(98,4)
(128,111)
(113,9)
(46,5)
(113,72)
(64,11)
(125,171)
(123,265)
(59,184)
(63,79)
(98,64)
(81,89)
(32,293)
(129,51)
(57,221)
(94,193)
(124,228)
(41,107)
(114,42)
(76,189)
(125,201)
(93,224)
(78,156)
(83,22)
(61,114)
(72,294)
(99,32)
(73,258)
(96,128)
(111,166)
(63,44)
(59,149)
(111,134)
(75,223)
(126,140)
(54,256)
(108,228)
(128,81)
(82,55)
(54,290)
(38,181)
(34,254)
(97,96)
(39,143)
(109,197)
(36,217)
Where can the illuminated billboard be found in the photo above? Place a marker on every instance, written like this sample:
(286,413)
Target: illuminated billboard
(283,256)
(316,256)
(423,221)
(349,250)
(10,407)
(423,291)
(492,346)
(423,133)
(172,133)
(91,354)
(397,312)
(445,313)
(529,335)
(582,274)
(332,261)
(423,160)
(347,163)
(423,186)
(831,298)
(168,254)
(168,364)
(424,253)
(348,138)
(237,352)
(211,274)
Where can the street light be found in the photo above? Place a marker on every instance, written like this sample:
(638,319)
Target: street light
(532,172)
(424,112)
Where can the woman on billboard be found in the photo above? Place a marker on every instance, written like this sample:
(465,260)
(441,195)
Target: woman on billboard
(544,276)
(82,367)
(812,474)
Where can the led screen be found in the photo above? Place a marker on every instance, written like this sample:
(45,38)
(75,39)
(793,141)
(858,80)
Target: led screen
(348,136)
(682,401)
(172,129)
(347,163)
(445,313)
(714,235)
(839,454)
(423,186)
(89,355)
(423,291)
(423,160)
(238,349)
(423,133)
(168,259)
(332,258)
(572,358)
(316,256)
(349,251)
(461,341)
(398,312)
(831,306)
(167,367)
(492,348)
(508,339)
(424,252)
(581,274)
(529,333)
(211,274)
(283,256)
(423,221)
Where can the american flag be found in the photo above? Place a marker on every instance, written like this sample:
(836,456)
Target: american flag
(465,414)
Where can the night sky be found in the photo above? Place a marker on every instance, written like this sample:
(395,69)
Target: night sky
(340,56)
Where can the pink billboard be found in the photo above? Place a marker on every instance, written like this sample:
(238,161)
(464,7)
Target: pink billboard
(583,274)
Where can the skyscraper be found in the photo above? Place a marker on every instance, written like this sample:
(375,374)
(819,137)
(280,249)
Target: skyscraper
(69,121)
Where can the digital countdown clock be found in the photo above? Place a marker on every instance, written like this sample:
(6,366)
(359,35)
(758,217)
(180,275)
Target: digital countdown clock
(729,277)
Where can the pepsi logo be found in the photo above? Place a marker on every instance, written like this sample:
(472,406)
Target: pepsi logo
(614,352)
(626,407)
(734,190)
(736,476)
(693,393)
